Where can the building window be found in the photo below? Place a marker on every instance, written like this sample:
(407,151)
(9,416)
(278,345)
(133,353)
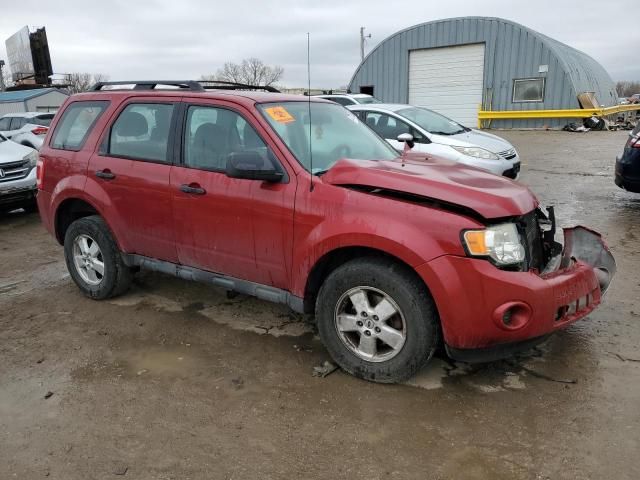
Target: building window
(528,90)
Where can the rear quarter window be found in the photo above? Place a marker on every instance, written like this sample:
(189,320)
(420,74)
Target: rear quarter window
(44,120)
(76,123)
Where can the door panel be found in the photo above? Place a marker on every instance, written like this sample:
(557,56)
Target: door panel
(241,228)
(139,199)
(132,173)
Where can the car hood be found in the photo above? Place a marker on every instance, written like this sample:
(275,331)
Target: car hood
(13,152)
(488,195)
(474,138)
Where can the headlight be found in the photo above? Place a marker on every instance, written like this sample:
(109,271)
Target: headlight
(499,242)
(476,152)
(32,157)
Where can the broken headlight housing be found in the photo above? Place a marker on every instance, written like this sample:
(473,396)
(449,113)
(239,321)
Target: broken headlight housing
(501,243)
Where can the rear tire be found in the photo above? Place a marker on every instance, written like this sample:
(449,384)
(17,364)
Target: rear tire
(93,259)
(377,320)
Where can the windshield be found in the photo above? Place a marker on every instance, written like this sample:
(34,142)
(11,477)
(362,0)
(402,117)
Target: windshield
(431,121)
(366,100)
(334,133)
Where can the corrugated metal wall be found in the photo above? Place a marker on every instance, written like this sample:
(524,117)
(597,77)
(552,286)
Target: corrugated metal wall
(512,51)
(13,107)
(50,99)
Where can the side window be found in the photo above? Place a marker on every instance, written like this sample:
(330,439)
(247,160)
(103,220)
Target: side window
(44,120)
(4,124)
(76,123)
(387,126)
(342,101)
(16,123)
(141,132)
(212,134)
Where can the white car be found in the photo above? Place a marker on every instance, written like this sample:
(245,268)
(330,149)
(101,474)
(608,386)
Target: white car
(26,128)
(346,99)
(17,176)
(437,135)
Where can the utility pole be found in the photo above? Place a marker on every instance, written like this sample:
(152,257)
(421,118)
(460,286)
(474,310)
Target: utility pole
(362,37)
(2,85)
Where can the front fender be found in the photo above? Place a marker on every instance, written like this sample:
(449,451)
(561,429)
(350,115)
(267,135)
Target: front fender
(407,243)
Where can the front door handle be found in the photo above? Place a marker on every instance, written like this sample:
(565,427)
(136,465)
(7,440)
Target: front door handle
(105,174)
(193,189)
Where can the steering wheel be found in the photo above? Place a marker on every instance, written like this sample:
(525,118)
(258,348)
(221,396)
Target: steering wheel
(341,151)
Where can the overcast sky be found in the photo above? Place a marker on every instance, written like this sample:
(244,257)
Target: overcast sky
(183,39)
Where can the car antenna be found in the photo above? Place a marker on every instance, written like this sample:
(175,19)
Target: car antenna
(309,109)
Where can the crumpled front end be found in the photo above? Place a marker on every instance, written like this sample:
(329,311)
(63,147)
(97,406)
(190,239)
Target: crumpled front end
(487,312)
(582,244)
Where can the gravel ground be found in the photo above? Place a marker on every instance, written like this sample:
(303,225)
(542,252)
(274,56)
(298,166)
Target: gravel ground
(176,381)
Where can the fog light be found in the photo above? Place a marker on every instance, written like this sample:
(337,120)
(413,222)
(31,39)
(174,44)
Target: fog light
(512,315)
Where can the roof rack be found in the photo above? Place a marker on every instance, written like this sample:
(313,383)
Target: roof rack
(192,85)
(151,84)
(224,85)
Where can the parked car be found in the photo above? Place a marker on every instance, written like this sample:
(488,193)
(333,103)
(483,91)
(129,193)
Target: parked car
(628,165)
(298,202)
(435,134)
(17,176)
(345,99)
(28,128)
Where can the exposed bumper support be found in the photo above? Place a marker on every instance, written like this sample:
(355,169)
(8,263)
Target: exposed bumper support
(587,246)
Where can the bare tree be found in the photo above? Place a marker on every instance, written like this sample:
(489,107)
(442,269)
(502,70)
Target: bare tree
(627,88)
(252,71)
(6,76)
(81,82)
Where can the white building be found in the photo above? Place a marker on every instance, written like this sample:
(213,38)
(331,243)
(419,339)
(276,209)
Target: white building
(36,100)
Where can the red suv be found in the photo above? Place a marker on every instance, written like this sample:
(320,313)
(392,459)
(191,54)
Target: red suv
(294,200)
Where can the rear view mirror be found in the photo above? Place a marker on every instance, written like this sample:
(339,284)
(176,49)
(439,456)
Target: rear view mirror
(406,138)
(250,165)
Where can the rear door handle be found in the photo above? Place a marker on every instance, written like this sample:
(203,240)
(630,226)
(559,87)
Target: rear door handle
(193,189)
(105,174)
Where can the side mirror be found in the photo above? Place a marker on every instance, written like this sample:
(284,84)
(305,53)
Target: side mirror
(406,138)
(250,165)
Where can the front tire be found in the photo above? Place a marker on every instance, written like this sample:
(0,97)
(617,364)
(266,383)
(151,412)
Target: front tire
(93,259)
(377,320)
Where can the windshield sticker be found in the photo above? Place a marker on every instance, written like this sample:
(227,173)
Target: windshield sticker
(279,114)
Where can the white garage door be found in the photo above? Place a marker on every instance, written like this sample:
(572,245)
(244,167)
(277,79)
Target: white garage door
(448,80)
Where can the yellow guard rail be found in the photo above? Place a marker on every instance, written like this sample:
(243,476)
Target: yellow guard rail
(572,113)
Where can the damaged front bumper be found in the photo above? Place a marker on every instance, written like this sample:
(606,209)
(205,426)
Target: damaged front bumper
(488,313)
(582,244)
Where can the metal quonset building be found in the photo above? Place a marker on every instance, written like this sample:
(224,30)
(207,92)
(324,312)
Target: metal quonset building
(35,100)
(454,66)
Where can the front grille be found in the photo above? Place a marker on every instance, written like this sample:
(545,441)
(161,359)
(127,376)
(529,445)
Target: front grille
(14,171)
(508,154)
(533,241)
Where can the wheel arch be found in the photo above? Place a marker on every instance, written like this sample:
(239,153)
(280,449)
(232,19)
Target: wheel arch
(70,210)
(331,260)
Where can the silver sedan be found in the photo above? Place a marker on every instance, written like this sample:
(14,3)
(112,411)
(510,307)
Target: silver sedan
(437,135)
